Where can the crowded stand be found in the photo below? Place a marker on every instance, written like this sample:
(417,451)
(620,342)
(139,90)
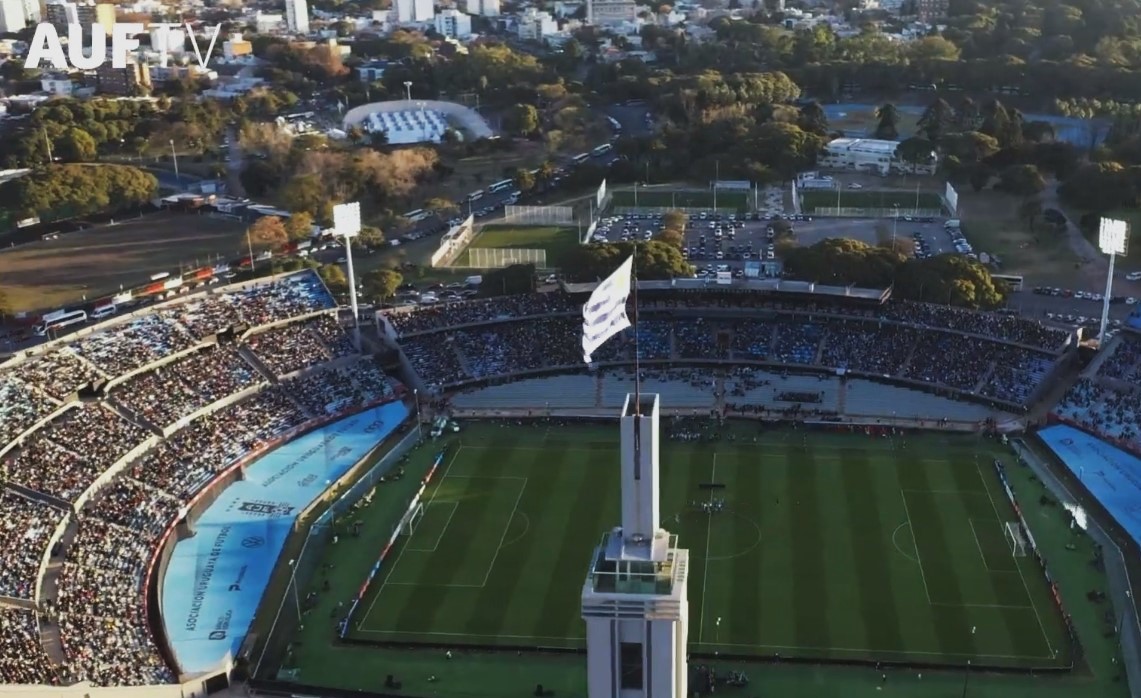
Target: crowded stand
(65,457)
(299,345)
(21,407)
(1124,363)
(99,610)
(1109,410)
(26,527)
(436,317)
(60,373)
(999,326)
(941,359)
(169,393)
(334,389)
(133,345)
(22,657)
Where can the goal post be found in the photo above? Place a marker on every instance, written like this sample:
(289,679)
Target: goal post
(1015,538)
(412,519)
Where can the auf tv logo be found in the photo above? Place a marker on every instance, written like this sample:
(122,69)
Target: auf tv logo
(46,45)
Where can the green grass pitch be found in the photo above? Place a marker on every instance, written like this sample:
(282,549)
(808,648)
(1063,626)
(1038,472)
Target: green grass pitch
(832,547)
(659,198)
(556,240)
(811,199)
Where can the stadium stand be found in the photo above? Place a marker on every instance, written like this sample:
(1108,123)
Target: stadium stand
(168,365)
(925,345)
(1106,399)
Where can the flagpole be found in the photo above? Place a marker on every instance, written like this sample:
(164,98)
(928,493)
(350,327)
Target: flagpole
(637,353)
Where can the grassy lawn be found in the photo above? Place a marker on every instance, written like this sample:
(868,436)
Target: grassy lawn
(832,559)
(904,562)
(556,240)
(91,263)
(991,224)
(664,198)
(907,201)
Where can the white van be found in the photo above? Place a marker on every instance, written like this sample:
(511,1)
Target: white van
(473,281)
(953,223)
(103,311)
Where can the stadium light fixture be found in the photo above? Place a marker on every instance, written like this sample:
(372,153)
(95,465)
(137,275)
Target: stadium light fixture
(1113,239)
(347,225)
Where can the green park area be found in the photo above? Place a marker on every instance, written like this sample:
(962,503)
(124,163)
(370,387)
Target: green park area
(907,201)
(556,241)
(680,199)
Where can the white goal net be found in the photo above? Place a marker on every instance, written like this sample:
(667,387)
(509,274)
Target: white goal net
(1015,539)
(412,520)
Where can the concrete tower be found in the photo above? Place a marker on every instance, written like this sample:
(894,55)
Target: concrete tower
(634,599)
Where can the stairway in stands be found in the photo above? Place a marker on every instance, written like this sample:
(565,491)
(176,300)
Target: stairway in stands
(977,389)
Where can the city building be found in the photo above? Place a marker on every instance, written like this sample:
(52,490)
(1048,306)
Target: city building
(168,40)
(610,11)
(266,24)
(414,11)
(61,15)
(453,24)
(634,601)
(372,71)
(931,10)
(133,80)
(534,25)
(57,85)
(103,13)
(870,155)
(483,8)
(297,16)
(236,46)
(12,17)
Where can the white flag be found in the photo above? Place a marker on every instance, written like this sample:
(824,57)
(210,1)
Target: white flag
(604,315)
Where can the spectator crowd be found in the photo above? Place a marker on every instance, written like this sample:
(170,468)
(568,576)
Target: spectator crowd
(162,368)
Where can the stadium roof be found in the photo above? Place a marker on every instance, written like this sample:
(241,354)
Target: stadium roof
(870,146)
(763,285)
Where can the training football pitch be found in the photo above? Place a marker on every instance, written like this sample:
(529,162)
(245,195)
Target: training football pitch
(907,201)
(830,546)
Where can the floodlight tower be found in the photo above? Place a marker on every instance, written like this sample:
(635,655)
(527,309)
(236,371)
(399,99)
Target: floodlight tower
(347,225)
(634,600)
(1113,239)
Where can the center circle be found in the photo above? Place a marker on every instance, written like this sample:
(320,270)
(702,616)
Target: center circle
(730,534)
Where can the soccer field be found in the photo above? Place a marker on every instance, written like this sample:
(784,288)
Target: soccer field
(555,240)
(668,198)
(812,199)
(830,547)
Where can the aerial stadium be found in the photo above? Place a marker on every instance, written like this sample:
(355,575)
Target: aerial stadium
(799,489)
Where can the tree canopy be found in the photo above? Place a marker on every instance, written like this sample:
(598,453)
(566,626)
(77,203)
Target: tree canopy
(65,191)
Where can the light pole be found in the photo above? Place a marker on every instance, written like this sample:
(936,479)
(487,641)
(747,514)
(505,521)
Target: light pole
(408,89)
(894,223)
(1113,239)
(347,225)
(419,421)
(174,156)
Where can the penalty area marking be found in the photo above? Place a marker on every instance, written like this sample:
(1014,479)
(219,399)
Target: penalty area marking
(895,542)
(526,528)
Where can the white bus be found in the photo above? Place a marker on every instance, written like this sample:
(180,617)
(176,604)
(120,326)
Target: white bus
(1013,281)
(581,158)
(417,215)
(602,149)
(475,195)
(500,186)
(614,124)
(60,319)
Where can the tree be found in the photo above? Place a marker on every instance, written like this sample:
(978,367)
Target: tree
(655,260)
(78,146)
(524,180)
(444,208)
(813,119)
(916,151)
(381,284)
(510,280)
(937,119)
(1029,211)
(1022,180)
(370,237)
(299,227)
(268,232)
(887,127)
(334,277)
(522,120)
(5,304)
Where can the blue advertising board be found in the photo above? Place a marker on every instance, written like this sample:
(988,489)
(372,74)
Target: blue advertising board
(1111,475)
(215,579)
